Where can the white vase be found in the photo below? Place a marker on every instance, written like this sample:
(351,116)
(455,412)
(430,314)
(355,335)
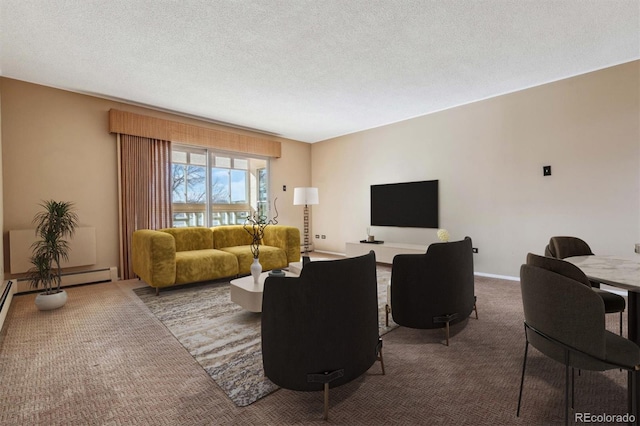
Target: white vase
(256,270)
(47,302)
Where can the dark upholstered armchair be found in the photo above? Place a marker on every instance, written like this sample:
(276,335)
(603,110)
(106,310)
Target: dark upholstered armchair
(435,289)
(563,247)
(564,319)
(320,330)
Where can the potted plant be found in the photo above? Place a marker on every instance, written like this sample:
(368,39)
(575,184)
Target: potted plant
(56,222)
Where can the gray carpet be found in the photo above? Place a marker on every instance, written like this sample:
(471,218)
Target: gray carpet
(105,359)
(222,337)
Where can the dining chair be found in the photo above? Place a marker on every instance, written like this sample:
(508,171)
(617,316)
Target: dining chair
(564,320)
(320,330)
(562,247)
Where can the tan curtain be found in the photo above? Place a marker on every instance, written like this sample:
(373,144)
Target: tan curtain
(145,191)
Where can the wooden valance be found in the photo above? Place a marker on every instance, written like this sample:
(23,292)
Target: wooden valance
(129,123)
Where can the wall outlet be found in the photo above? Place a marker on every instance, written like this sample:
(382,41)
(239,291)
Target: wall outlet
(324,237)
(475,249)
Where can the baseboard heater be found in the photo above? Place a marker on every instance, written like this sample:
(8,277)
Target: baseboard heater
(75,278)
(5,300)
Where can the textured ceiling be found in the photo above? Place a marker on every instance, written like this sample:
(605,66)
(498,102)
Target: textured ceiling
(310,70)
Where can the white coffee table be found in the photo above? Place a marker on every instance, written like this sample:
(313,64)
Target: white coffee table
(249,295)
(296,267)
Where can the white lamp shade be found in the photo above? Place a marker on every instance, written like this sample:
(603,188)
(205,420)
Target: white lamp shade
(305,196)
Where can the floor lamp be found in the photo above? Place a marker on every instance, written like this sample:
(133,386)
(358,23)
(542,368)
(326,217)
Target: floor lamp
(306,197)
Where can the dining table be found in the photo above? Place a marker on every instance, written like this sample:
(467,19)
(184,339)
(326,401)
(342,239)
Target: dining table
(622,273)
(619,272)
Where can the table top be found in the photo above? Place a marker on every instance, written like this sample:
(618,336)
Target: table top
(246,283)
(616,271)
(296,267)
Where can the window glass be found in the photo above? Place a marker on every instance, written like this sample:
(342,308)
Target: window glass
(233,189)
(179,157)
(188,184)
(220,186)
(240,163)
(239,187)
(199,159)
(222,162)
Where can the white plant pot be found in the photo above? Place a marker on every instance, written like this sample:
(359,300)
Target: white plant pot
(256,270)
(47,302)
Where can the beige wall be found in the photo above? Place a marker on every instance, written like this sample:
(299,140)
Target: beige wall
(292,169)
(1,207)
(488,157)
(56,145)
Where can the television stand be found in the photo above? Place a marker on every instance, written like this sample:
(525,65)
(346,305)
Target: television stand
(385,252)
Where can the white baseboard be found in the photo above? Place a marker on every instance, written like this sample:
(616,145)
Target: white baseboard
(501,277)
(329,252)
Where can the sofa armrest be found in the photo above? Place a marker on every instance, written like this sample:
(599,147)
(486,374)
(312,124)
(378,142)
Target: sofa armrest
(154,257)
(284,237)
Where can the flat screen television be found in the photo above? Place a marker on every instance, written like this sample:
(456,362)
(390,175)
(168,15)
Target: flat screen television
(407,204)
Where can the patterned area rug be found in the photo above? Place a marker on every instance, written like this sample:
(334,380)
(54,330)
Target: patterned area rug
(224,338)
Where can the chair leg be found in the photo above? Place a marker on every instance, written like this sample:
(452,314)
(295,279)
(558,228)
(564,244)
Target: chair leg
(381,361)
(524,366)
(632,384)
(621,327)
(387,311)
(446,319)
(447,332)
(475,307)
(573,388)
(379,352)
(157,291)
(325,378)
(566,387)
(326,401)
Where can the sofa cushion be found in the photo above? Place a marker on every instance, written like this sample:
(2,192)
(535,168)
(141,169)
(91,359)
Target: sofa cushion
(270,258)
(192,238)
(202,265)
(230,236)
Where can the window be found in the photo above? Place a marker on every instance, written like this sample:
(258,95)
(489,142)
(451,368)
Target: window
(214,188)
(263,184)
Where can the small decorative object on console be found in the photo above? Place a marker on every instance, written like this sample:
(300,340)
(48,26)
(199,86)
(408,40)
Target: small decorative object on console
(277,273)
(370,238)
(372,241)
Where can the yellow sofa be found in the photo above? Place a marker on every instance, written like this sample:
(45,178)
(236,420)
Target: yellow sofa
(174,256)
